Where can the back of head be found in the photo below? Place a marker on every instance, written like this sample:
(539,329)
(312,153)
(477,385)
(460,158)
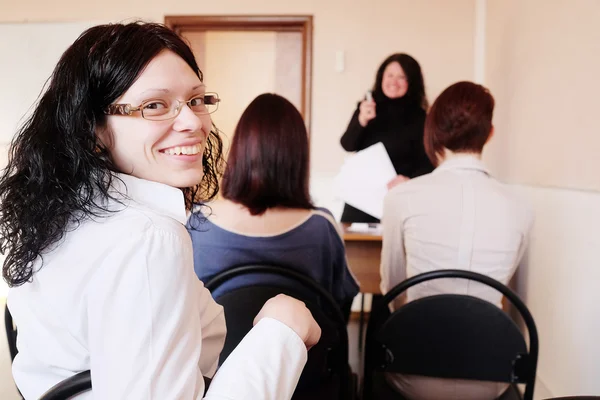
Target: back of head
(59,172)
(415,95)
(459,120)
(268,163)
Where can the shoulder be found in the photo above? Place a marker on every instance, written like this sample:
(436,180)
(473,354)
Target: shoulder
(137,224)
(136,218)
(327,220)
(416,115)
(198,220)
(324,215)
(420,113)
(399,201)
(419,184)
(516,201)
(136,240)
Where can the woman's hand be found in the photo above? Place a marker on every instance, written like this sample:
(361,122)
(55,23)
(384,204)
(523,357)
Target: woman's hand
(295,315)
(366,112)
(396,181)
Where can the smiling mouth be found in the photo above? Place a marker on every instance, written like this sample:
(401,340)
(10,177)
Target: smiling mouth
(183,150)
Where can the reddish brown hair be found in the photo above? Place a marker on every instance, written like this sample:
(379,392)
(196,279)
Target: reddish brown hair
(459,120)
(268,164)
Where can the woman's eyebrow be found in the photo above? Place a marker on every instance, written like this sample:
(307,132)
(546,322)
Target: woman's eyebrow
(163,90)
(155,90)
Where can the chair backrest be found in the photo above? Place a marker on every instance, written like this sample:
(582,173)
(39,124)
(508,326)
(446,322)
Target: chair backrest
(76,384)
(452,336)
(327,359)
(11,333)
(80,383)
(576,398)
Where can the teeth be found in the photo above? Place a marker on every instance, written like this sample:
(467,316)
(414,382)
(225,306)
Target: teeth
(187,150)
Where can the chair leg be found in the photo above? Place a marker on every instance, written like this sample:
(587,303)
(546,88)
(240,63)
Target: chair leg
(361,322)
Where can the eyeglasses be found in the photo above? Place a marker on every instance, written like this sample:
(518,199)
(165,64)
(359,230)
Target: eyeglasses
(161,109)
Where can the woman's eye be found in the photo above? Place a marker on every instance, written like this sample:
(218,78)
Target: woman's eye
(155,105)
(198,101)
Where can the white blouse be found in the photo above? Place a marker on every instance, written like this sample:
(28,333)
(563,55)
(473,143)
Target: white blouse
(118,296)
(457,217)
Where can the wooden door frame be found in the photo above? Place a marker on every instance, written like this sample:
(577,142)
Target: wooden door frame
(277,23)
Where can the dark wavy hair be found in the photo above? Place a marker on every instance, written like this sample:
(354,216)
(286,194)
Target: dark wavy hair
(412,70)
(59,172)
(268,163)
(460,120)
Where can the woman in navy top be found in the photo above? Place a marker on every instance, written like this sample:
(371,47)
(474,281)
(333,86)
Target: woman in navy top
(265,215)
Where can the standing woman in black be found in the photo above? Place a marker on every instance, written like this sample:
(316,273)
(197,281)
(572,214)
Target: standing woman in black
(394,116)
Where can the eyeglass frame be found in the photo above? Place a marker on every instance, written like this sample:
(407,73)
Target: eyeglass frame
(127,109)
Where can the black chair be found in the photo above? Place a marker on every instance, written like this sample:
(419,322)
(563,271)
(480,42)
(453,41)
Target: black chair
(79,383)
(449,336)
(11,333)
(64,390)
(576,398)
(327,373)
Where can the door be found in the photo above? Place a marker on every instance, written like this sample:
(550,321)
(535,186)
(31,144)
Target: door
(241,65)
(242,57)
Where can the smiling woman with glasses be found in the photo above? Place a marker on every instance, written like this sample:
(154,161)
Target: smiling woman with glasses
(93,204)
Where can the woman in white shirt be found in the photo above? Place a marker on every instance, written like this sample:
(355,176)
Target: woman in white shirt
(93,205)
(457,217)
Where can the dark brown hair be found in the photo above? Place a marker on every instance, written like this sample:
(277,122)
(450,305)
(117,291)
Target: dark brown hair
(459,120)
(268,164)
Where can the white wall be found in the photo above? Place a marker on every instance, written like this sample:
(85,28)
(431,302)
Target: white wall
(560,287)
(543,59)
(21,77)
(545,134)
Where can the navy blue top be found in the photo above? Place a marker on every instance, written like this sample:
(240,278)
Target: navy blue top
(313,247)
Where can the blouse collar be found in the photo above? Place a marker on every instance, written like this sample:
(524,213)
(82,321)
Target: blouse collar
(163,199)
(466,161)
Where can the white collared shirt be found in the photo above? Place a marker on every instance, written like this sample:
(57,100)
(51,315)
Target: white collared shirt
(457,217)
(119,296)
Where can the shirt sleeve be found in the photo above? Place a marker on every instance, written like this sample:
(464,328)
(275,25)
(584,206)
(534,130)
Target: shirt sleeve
(146,336)
(265,365)
(393,257)
(352,138)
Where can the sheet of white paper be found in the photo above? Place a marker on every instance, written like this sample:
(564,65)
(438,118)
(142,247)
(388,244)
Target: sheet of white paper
(362,181)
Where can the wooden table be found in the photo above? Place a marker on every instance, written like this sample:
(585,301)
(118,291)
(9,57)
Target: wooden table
(364,256)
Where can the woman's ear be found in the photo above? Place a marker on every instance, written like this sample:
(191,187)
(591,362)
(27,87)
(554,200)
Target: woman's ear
(104,138)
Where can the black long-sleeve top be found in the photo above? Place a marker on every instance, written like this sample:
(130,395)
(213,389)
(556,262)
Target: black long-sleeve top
(402,136)
(400,128)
